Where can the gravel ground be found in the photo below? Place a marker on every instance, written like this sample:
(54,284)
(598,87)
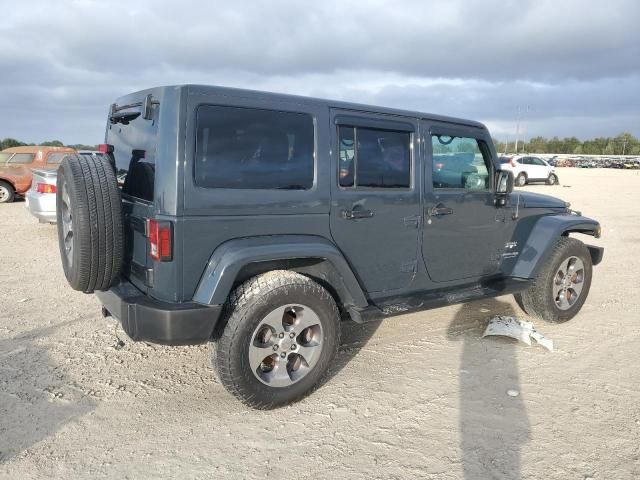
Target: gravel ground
(416,396)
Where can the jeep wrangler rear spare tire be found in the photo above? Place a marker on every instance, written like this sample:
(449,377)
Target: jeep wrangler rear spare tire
(279,333)
(561,285)
(89,220)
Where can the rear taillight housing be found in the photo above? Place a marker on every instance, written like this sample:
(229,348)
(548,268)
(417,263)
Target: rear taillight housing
(105,148)
(160,240)
(45,188)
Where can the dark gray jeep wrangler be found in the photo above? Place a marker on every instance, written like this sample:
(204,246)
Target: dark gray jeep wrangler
(256,222)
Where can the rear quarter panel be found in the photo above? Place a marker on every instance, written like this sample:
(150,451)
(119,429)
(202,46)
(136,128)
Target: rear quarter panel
(17,175)
(213,216)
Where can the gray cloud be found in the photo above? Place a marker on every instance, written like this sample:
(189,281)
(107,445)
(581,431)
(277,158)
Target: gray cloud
(574,63)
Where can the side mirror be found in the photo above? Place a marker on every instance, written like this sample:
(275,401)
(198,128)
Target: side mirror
(504,182)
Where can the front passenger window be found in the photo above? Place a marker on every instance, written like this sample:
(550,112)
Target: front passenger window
(460,163)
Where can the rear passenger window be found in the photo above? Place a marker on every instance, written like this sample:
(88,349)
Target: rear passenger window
(22,158)
(56,158)
(374,158)
(248,148)
(460,162)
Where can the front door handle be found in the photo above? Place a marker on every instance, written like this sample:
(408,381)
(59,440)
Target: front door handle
(439,210)
(356,214)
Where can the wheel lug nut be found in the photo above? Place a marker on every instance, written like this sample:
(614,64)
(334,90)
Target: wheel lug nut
(282,355)
(293,346)
(275,347)
(281,335)
(292,334)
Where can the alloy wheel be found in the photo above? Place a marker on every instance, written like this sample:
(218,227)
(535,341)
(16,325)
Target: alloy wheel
(568,283)
(286,345)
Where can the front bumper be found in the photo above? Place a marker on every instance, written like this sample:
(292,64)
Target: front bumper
(41,205)
(151,320)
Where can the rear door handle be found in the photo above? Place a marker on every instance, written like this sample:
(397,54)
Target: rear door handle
(356,214)
(439,210)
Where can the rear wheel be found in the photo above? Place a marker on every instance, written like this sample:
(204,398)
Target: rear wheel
(552,179)
(521,179)
(277,338)
(89,220)
(562,284)
(7,193)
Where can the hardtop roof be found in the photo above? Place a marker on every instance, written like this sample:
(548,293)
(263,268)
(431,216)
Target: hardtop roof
(195,89)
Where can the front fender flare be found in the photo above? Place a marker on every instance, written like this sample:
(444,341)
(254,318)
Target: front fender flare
(546,232)
(229,258)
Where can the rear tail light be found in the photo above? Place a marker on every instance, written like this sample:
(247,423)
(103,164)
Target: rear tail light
(45,188)
(160,240)
(105,148)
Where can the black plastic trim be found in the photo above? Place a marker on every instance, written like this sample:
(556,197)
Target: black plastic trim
(151,320)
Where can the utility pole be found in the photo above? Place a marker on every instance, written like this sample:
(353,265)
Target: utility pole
(517,129)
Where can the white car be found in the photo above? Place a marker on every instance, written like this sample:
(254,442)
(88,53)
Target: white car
(527,168)
(40,199)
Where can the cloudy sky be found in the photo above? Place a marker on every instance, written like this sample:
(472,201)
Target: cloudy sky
(574,63)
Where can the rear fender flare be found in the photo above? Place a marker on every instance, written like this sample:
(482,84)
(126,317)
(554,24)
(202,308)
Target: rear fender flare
(544,236)
(231,257)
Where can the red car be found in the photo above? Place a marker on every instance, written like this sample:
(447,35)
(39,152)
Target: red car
(16,166)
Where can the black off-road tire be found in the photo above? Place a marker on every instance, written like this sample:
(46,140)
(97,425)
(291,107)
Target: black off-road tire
(538,301)
(521,179)
(8,193)
(244,311)
(553,179)
(95,259)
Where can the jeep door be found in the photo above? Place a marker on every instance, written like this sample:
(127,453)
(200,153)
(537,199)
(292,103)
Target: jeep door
(464,232)
(375,192)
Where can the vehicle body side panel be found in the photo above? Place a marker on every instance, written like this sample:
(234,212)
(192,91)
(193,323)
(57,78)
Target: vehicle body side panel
(539,241)
(230,257)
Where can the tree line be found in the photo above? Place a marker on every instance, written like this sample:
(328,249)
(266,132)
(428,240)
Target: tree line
(12,142)
(622,144)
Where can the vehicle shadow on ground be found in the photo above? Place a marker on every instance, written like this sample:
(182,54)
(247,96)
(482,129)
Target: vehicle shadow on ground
(36,398)
(353,337)
(494,426)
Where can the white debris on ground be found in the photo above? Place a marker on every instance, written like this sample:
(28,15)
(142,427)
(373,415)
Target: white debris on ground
(503,325)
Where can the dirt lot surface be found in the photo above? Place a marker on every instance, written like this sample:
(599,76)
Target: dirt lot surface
(416,396)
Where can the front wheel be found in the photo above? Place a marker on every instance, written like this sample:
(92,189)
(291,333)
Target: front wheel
(279,334)
(562,284)
(552,179)
(521,180)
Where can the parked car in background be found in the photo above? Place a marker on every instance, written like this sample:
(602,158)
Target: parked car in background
(41,197)
(17,163)
(527,168)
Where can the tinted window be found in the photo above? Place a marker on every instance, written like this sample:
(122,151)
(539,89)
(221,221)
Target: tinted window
(56,158)
(460,162)
(22,158)
(347,154)
(134,154)
(251,148)
(376,159)
(537,161)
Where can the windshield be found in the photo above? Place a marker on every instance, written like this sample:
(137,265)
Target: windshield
(4,157)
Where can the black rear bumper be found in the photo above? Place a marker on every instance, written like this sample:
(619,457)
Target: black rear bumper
(151,320)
